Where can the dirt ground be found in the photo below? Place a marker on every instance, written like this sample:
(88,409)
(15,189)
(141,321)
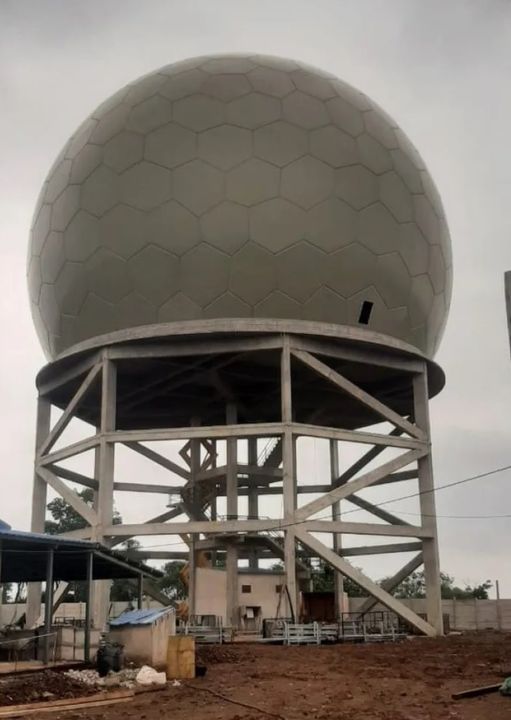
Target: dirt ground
(412,680)
(38,687)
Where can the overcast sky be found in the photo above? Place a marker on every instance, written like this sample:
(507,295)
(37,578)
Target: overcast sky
(441,69)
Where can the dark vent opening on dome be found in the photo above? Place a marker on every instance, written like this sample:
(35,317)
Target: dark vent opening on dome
(365,312)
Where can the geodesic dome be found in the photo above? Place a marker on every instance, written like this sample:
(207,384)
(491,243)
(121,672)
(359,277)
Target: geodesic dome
(239,186)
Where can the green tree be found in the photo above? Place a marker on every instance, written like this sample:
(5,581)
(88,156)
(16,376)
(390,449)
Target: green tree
(171,584)
(414,586)
(323,574)
(64,518)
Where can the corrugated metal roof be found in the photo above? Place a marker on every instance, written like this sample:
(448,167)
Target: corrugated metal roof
(140,617)
(23,557)
(8,534)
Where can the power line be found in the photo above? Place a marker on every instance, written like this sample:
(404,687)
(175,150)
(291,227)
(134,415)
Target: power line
(432,490)
(386,502)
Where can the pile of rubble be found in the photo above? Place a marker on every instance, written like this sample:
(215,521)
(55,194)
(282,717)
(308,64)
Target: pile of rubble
(127,678)
(41,686)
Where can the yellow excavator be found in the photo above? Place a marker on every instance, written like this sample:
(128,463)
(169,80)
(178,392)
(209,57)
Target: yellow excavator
(202,560)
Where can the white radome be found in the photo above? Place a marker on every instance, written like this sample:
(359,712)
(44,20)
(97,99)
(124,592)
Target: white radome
(238,186)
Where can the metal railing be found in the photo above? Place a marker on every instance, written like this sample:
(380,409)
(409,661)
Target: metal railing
(19,647)
(267,450)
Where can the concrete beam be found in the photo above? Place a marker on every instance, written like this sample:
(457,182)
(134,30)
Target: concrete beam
(366,583)
(362,396)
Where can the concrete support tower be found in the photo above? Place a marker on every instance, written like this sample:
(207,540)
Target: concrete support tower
(236,253)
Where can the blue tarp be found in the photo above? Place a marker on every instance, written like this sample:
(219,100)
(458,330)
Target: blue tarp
(139,617)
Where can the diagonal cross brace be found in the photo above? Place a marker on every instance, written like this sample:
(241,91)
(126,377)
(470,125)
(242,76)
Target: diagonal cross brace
(391,583)
(344,567)
(68,413)
(158,459)
(376,510)
(359,483)
(60,487)
(365,398)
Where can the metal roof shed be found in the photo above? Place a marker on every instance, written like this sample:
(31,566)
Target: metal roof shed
(32,557)
(145,634)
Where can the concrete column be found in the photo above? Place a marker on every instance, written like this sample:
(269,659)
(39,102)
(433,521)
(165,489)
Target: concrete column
(253,498)
(428,506)
(288,478)
(232,610)
(48,605)
(140,592)
(213,503)
(105,461)
(195,462)
(337,537)
(39,499)
(89,598)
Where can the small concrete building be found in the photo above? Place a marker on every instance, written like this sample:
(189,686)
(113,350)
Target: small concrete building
(260,596)
(144,635)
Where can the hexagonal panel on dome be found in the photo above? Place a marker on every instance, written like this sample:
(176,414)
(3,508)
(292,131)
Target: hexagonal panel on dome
(150,114)
(333,146)
(280,143)
(155,274)
(226,226)
(303,110)
(357,185)
(225,146)
(171,145)
(301,270)
(253,273)
(252,182)
(253,110)
(172,227)
(307,181)
(123,151)
(277,224)
(198,112)
(198,186)
(146,186)
(226,86)
(271,81)
(204,274)
(280,306)
(238,186)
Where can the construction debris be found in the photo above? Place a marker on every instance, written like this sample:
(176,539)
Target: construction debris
(125,678)
(51,706)
(43,686)
(477,691)
(149,676)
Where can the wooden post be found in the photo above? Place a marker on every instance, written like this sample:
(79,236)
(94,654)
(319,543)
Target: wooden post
(428,506)
(39,498)
(498,606)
